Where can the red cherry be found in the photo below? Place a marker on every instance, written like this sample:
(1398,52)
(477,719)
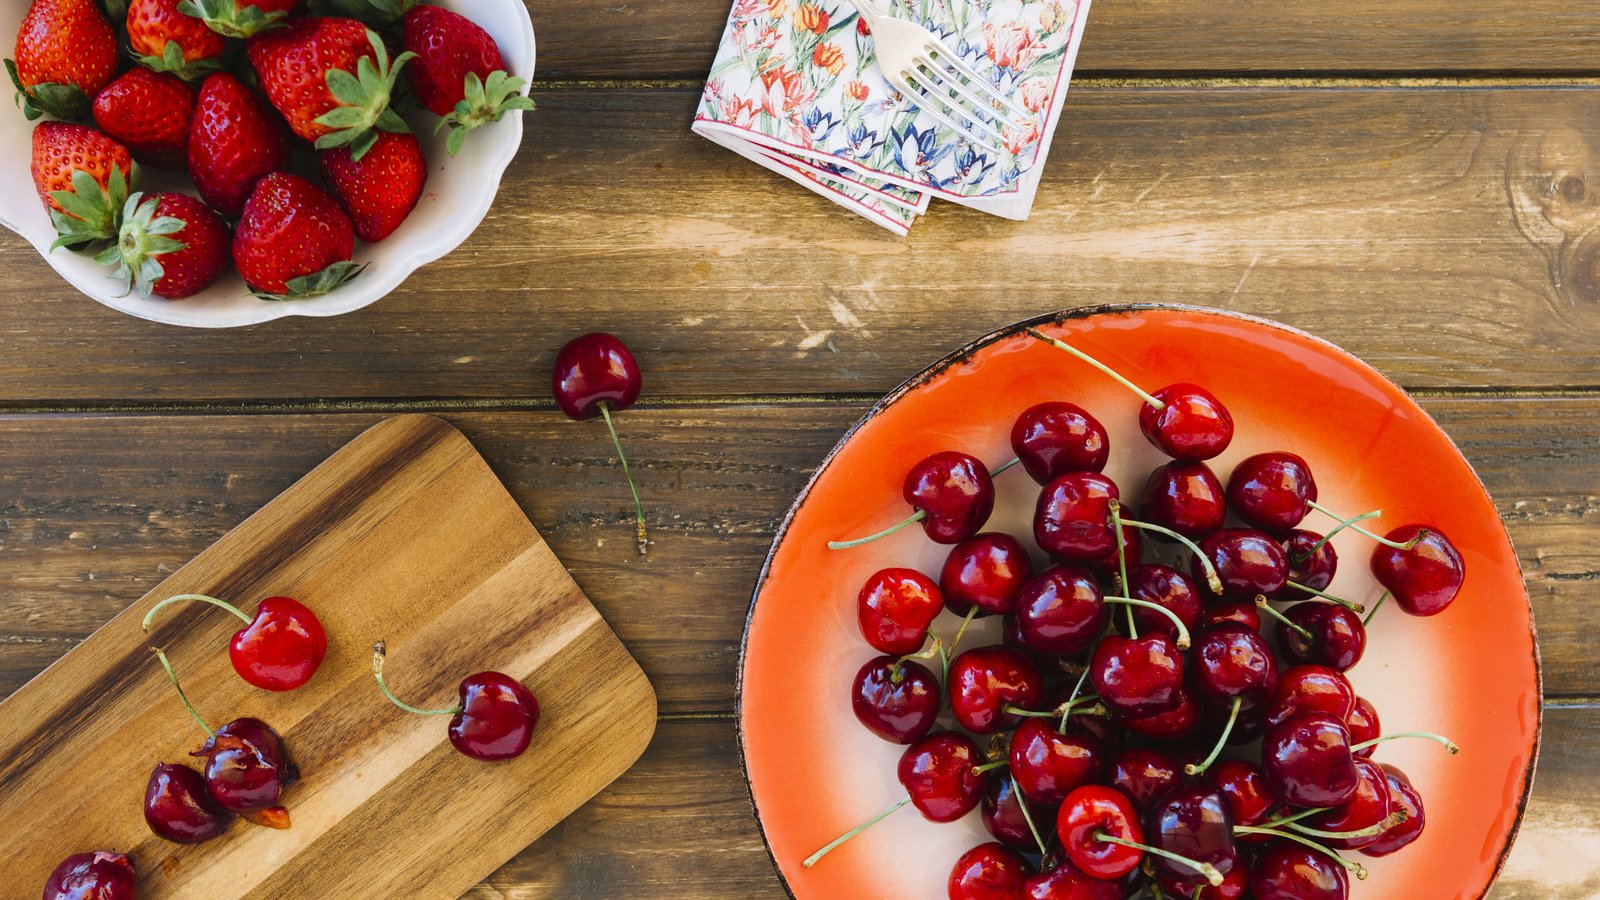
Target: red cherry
(92,876)
(1364,725)
(1088,815)
(1143,774)
(1424,579)
(1231,661)
(1244,786)
(1137,677)
(494,721)
(1055,438)
(1247,726)
(1367,807)
(277,650)
(895,699)
(1068,882)
(1310,567)
(1194,822)
(1169,588)
(1047,764)
(1060,611)
(1002,815)
(1286,871)
(895,608)
(988,872)
(1308,761)
(1109,567)
(1249,562)
(1272,491)
(177,807)
(1402,797)
(1185,496)
(1235,884)
(985,680)
(247,768)
(1073,517)
(955,492)
(1309,688)
(988,571)
(1192,424)
(1246,614)
(1179,721)
(937,773)
(1338,639)
(596,375)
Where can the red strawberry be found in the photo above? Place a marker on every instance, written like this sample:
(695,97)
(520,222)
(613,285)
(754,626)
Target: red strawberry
(166,40)
(459,73)
(331,78)
(66,52)
(235,139)
(380,189)
(293,240)
(239,18)
(170,245)
(149,113)
(83,177)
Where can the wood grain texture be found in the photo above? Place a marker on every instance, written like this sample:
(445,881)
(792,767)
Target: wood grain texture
(1446,236)
(404,535)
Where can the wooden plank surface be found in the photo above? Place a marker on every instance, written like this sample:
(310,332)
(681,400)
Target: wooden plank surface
(1424,230)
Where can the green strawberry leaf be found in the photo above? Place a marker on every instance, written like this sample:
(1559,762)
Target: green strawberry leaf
(483,102)
(317,283)
(171,60)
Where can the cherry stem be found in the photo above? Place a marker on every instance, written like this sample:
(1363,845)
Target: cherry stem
(961,632)
(1375,607)
(1207,870)
(1022,804)
(378,652)
(1222,741)
(1304,813)
(1343,524)
(1212,581)
(1005,466)
(1261,601)
(1060,345)
(1347,604)
(812,859)
(151,615)
(912,519)
(1130,602)
(638,508)
(1076,689)
(1122,563)
(933,649)
(1436,738)
(1355,868)
(988,767)
(1051,713)
(1398,545)
(173,677)
(1395,818)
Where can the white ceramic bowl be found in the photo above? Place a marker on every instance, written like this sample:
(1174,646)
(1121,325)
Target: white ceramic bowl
(457,195)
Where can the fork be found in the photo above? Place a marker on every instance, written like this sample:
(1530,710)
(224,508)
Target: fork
(917,63)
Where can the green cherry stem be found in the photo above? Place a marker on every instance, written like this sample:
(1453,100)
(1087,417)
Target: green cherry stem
(1347,604)
(908,521)
(1261,601)
(962,631)
(1006,465)
(1022,804)
(1375,608)
(934,648)
(1061,345)
(173,677)
(378,652)
(988,767)
(1343,524)
(1122,563)
(1395,818)
(1212,581)
(1207,870)
(1130,602)
(1076,690)
(1440,739)
(1222,741)
(1304,813)
(1398,545)
(812,859)
(1354,868)
(151,615)
(1059,711)
(638,508)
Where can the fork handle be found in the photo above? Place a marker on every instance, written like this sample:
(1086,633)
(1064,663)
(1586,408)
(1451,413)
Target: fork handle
(868,11)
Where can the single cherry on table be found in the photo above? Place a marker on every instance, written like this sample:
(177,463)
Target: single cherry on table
(100,875)
(494,721)
(595,375)
(278,649)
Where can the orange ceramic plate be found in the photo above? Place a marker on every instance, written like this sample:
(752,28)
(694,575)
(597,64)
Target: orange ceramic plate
(1471,672)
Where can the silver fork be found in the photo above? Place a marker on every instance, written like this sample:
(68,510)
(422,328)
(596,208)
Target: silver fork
(919,65)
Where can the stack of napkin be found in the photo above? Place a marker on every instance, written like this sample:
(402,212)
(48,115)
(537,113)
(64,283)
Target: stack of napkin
(795,88)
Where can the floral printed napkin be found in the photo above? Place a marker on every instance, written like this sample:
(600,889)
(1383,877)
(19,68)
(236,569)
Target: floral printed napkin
(794,88)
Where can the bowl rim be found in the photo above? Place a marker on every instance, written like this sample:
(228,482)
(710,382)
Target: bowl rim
(963,353)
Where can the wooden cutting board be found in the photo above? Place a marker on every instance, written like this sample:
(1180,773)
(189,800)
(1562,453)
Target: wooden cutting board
(404,535)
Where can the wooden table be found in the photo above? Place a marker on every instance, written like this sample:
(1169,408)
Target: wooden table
(1411,179)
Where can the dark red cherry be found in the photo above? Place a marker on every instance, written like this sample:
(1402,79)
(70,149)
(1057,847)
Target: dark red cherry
(279,649)
(1402,797)
(937,773)
(1068,882)
(1312,568)
(1286,871)
(987,571)
(988,872)
(592,369)
(1191,425)
(1185,496)
(1309,688)
(1109,567)
(1073,517)
(895,608)
(1169,588)
(1364,725)
(1272,491)
(1094,810)
(1248,726)
(92,876)
(177,807)
(954,492)
(1231,661)
(1137,677)
(1193,821)
(1180,721)
(1337,636)
(1047,764)
(1235,884)
(496,719)
(1143,774)
(1244,786)
(1367,807)
(247,768)
(1242,613)
(985,680)
(1002,815)
(1424,579)
(1060,611)
(895,700)
(1308,762)
(1249,562)
(1055,438)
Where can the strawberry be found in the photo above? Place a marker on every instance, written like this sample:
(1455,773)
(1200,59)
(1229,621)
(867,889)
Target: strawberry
(166,40)
(459,73)
(239,18)
(83,177)
(66,52)
(170,245)
(293,240)
(234,141)
(380,189)
(331,79)
(149,113)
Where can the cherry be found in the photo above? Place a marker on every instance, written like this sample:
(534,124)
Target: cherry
(1137,677)
(984,681)
(1177,722)
(1244,786)
(596,375)
(247,770)
(1068,882)
(92,876)
(1003,816)
(1272,491)
(1235,884)
(1246,614)
(988,872)
(494,721)
(1185,496)
(1308,761)
(1403,798)
(1073,517)
(1055,438)
(1310,688)
(1143,774)
(1191,423)
(895,608)
(1248,562)
(1060,611)
(177,807)
(1110,566)
(1193,822)
(1425,578)
(1363,724)
(950,493)
(1312,563)
(987,571)
(1232,662)
(1287,871)
(1337,637)
(1047,765)
(1090,814)
(1168,588)
(1245,727)
(1367,807)
(277,650)
(896,699)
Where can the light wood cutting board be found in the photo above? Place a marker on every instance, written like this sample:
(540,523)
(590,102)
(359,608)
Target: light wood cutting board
(404,535)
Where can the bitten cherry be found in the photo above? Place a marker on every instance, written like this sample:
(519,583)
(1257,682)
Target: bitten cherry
(178,808)
(950,493)
(494,721)
(1424,578)
(279,649)
(595,375)
(1054,438)
(92,876)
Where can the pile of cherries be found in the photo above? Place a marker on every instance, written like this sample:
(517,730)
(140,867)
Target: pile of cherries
(1120,683)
